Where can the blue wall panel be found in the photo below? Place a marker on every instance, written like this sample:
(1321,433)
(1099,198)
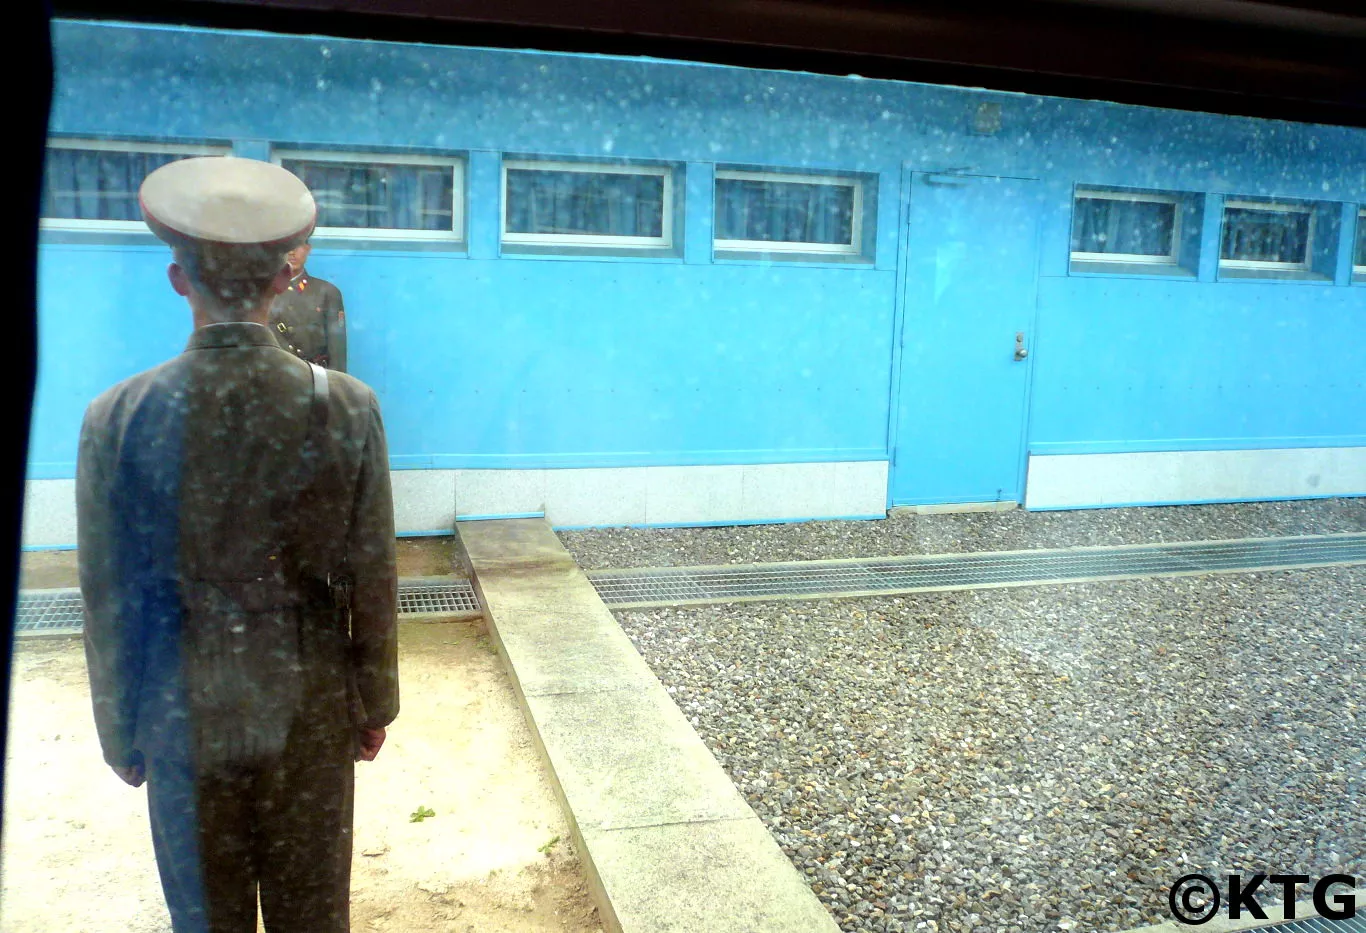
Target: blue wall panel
(525,362)
(1129,364)
(106,313)
(535,363)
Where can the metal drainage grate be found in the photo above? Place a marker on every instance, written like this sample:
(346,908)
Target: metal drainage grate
(60,612)
(437,599)
(49,612)
(890,575)
(1317,925)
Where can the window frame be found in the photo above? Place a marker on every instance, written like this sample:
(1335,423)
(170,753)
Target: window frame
(588,240)
(459,172)
(1171,258)
(1285,207)
(155,147)
(853,248)
(1358,240)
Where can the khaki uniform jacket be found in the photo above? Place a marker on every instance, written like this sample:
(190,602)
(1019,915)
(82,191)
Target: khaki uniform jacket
(190,472)
(308,320)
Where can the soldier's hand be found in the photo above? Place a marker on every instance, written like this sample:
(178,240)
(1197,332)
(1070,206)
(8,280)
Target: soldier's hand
(133,776)
(370,742)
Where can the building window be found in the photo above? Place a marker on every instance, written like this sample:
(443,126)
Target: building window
(1266,235)
(581,204)
(383,196)
(1130,227)
(763,211)
(93,184)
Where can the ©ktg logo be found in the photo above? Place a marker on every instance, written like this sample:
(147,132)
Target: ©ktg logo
(1195,899)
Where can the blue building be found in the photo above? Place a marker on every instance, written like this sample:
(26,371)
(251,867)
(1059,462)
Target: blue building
(628,291)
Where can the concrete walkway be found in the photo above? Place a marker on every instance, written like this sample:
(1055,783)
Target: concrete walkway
(667,841)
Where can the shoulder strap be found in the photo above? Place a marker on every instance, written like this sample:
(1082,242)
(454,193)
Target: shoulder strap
(317,424)
(309,455)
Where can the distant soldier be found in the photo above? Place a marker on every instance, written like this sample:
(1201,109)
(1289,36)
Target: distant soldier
(308,319)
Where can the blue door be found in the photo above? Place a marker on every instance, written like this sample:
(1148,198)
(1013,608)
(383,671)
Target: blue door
(967,328)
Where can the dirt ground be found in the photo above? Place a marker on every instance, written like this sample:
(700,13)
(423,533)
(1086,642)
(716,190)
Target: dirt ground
(417,557)
(77,849)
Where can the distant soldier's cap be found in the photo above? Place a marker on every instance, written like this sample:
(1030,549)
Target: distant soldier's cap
(238,217)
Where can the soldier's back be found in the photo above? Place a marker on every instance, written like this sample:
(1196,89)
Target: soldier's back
(218,433)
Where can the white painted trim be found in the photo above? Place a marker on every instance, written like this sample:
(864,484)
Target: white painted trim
(120,145)
(455,163)
(1156,197)
(665,495)
(784,246)
(1270,207)
(427,501)
(948,508)
(424,500)
(1063,481)
(49,513)
(579,240)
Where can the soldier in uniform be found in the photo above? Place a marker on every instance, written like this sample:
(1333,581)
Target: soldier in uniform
(308,318)
(237,565)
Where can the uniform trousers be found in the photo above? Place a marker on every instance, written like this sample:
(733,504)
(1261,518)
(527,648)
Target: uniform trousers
(277,829)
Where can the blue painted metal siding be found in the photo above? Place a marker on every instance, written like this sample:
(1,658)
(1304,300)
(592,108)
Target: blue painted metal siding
(105,313)
(1156,365)
(534,363)
(486,360)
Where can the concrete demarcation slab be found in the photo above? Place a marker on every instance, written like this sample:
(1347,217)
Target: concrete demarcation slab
(726,875)
(568,653)
(625,760)
(513,544)
(668,842)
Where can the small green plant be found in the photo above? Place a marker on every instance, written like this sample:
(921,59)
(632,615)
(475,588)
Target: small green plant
(422,813)
(545,849)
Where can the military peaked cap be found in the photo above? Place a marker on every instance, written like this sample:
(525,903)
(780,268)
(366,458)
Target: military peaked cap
(238,217)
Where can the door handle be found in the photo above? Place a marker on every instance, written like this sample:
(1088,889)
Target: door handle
(1020,351)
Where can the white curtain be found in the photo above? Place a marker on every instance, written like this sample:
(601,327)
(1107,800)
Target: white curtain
(784,212)
(379,196)
(1133,228)
(1265,236)
(584,203)
(97,184)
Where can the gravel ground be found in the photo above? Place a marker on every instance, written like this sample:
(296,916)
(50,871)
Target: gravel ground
(1045,758)
(604,548)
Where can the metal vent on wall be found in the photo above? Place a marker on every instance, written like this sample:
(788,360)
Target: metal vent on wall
(59,612)
(891,575)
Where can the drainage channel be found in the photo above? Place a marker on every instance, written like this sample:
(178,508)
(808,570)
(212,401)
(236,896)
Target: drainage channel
(59,612)
(668,586)
(1317,925)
